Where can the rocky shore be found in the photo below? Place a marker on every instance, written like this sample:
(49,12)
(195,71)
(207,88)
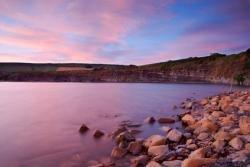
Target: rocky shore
(216,132)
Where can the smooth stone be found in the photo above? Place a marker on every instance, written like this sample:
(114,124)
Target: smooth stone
(209,125)
(199,153)
(174,135)
(166,120)
(157,150)
(83,128)
(192,146)
(236,143)
(124,136)
(98,133)
(222,135)
(175,163)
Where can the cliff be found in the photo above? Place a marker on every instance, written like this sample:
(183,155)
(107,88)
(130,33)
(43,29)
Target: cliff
(216,68)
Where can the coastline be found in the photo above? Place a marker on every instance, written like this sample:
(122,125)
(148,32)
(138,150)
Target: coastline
(216,132)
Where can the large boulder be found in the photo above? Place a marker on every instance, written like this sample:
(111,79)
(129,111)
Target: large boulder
(244,124)
(157,150)
(197,162)
(155,140)
(174,135)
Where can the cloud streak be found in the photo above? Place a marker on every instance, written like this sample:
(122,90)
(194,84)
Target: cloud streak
(124,31)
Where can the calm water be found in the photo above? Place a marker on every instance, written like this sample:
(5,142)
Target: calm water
(39,122)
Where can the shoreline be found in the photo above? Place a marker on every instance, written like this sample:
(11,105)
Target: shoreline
(216,132)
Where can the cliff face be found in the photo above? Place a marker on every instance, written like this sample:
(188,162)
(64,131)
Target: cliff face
(216,68)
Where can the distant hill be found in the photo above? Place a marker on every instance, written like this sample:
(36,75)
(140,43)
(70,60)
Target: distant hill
(216,68)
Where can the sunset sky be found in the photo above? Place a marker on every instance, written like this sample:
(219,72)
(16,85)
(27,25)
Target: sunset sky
(120,31)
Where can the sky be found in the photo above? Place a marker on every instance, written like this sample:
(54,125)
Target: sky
(121,31)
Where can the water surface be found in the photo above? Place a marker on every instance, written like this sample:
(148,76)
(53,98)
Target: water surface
(39,122)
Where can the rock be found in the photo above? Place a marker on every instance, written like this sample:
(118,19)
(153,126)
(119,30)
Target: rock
(134,131)
(222,135)
(150,120)
(166,128)
(166,120)
(139,161)
(124,136)
(155,140)
(236,143)
(244,124)
(192,147)
(153,164)
(227,121)
(197,162)
(189,141)
(245,108)
(135,147)
(188,119)
(189,105)
(119,130)
(97,165)
(218,145)
(199,153)
(118,152)
(187,135)
(240,156)
(218,114)
(209,125)
(98,133)
(202,136)
(175,163)
(133,125)
(174,135)
(245,138)
(83,128)
(247,146)
(157,150)
(204,102)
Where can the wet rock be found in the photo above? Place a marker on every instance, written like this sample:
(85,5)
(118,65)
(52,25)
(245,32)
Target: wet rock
(218,145)
(139,161)
(188,119)
(153,164)
(236,143)
(244,124)
(175,163)
(197,162)
(166,128)
(98,133)
(166,120)
(118,152)
(157,150)
(150,120)
(133,125)
(119,130)
(83,128)
(155,140)
(135,147)
(174,135)
(202,136)
(124,136)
